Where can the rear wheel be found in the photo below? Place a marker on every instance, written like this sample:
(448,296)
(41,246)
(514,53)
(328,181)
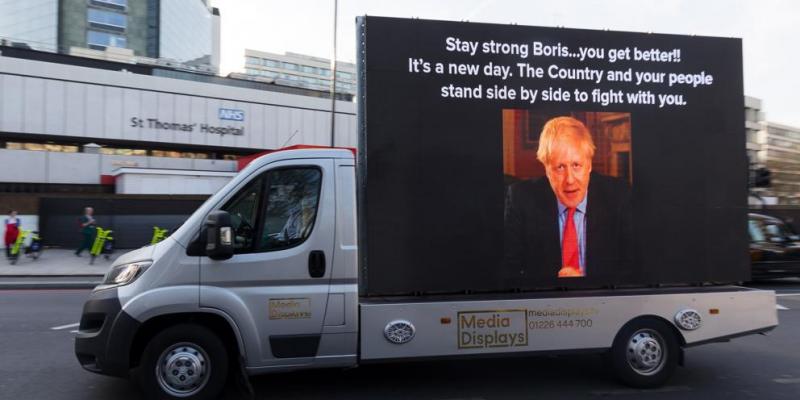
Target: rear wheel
(184,361)
(645,353)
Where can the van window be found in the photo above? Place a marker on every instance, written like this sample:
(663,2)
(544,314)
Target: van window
(243,209)
(291,207)
(775,232)
(756,235)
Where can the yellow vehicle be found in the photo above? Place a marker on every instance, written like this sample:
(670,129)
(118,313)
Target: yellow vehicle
(158,234)
(103,244)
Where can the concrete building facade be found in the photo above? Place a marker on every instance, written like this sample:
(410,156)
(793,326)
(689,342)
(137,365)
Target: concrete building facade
(32,22)
(780,153)
(776,147)
(300,70)
(134,144)
(186,31)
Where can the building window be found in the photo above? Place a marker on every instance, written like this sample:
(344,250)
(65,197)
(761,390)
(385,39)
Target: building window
(178,154)
(107,20)
(111,151)
(253,60)
(115,4)
(166,153)
(58,148)
(194,155)
(103,40)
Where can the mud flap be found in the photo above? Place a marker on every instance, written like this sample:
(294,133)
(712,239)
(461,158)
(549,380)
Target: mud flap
(243,386)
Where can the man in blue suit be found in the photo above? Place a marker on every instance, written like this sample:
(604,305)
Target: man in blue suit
(573,224)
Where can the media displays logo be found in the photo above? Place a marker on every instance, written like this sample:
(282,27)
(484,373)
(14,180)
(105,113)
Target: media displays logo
(494,328)
(231,114)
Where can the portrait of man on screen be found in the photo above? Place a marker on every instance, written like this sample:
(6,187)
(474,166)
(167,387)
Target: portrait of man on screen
(572,223)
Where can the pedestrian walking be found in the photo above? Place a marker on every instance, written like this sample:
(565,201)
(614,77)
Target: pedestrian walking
(87,228)
(12,231)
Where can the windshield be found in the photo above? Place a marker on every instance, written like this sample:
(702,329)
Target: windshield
(756,234)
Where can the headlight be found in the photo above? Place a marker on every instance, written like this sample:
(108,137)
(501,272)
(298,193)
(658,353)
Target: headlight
(125,273)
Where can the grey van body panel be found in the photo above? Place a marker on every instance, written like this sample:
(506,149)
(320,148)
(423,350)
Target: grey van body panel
(341,317)
(171,268)
(331,353)
(161,301)
(225,304)
(270,294)
(538,323)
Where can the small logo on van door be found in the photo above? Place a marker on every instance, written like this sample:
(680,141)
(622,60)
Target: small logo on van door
(298,308)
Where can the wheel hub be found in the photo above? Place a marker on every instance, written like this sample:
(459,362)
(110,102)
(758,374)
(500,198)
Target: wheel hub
(183,369)
(645,352)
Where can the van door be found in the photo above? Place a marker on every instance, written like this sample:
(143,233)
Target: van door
(275,287)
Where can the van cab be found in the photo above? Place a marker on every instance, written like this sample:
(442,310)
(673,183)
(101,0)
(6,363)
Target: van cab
(265,269)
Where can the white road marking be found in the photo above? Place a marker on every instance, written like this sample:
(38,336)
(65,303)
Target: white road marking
(664,389)
(465,398)
(780,307)
(787,294)
(75,331)
(787,380)
(57,328)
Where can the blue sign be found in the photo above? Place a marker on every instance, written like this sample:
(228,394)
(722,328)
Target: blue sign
(231,114)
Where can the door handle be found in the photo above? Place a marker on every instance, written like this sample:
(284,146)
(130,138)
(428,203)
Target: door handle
(316,264)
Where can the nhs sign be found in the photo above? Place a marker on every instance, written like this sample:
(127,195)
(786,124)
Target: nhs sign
(231,114)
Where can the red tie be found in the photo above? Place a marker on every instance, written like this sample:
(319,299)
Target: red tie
(569,244)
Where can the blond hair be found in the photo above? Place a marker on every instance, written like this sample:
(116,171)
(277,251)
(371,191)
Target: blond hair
(563,127)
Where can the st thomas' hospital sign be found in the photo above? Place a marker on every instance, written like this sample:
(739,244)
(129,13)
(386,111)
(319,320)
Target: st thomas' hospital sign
(223,114)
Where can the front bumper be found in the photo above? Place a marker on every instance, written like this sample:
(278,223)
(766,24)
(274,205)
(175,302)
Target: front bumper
(105,335)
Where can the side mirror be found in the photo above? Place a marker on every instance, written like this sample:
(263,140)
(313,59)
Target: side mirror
(219,240)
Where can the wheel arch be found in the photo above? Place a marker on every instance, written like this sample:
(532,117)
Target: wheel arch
(642,318)
(215,320)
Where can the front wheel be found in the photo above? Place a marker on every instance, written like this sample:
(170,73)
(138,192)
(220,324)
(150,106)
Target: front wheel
(184,362)
(645,353)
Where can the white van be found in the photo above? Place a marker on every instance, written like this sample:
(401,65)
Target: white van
(264,277)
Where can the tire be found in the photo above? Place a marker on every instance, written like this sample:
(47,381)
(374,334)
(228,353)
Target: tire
(645,353)
(163,374)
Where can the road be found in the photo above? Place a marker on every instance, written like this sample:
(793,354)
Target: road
(37,362)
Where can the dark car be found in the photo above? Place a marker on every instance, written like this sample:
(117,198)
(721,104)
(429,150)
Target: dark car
(774,247)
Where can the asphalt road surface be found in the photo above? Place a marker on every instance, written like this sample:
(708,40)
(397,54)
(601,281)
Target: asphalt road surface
(37,362)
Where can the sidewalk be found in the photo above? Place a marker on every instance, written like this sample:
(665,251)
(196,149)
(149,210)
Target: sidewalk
(57,262)
(54,269)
